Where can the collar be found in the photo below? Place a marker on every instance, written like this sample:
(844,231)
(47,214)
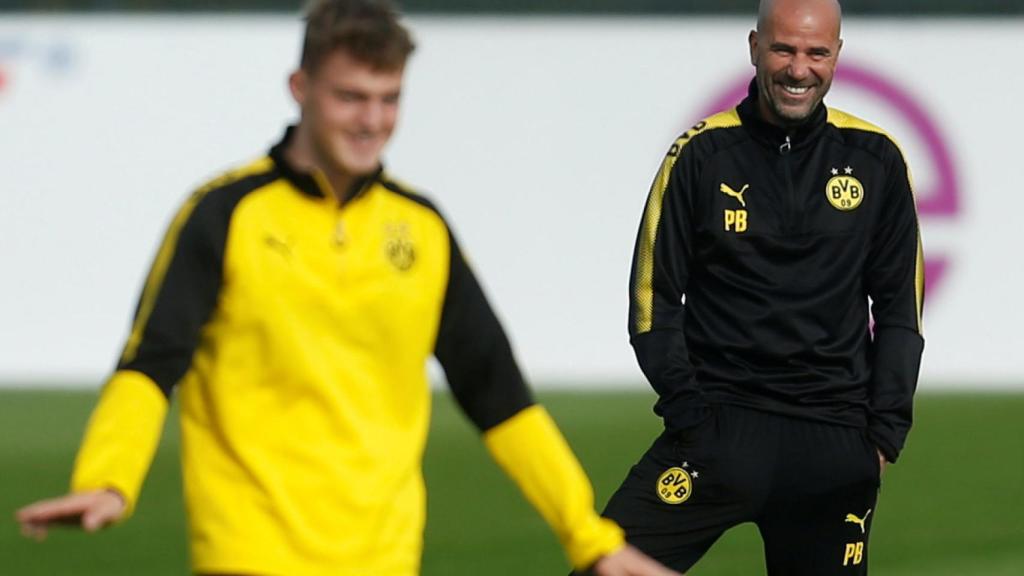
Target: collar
(774,136)
(309,184)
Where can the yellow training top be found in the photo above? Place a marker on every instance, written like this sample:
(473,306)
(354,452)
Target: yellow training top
(297,330)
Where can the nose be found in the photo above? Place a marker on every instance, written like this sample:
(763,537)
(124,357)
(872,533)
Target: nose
(373,115)
(799,68)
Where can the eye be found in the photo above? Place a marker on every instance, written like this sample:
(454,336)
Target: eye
(347,96)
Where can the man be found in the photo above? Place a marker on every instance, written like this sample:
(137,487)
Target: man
(294,304)
(768,232)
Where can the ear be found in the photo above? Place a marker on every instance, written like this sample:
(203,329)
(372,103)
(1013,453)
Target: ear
(298,84)
(752,42)
(839,48)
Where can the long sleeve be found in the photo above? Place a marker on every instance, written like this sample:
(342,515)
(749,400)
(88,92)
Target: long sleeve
(475,352)
(180,291)
(121,437)
(532,451)
(179,296)
(895,284)
(658,280)
(488,385)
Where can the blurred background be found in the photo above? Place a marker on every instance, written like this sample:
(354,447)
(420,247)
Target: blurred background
(537,126)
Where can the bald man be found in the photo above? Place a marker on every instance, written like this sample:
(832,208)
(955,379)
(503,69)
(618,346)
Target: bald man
(772,233)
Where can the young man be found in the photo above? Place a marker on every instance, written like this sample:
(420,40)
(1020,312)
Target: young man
(768,232)
(294,304)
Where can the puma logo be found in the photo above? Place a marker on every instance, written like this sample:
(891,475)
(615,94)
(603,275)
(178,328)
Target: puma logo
(859,521)
(725,189)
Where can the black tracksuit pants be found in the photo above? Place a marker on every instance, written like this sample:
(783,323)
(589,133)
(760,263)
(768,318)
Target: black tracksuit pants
(810,487)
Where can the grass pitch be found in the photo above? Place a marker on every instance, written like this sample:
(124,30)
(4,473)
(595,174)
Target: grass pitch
(953,505)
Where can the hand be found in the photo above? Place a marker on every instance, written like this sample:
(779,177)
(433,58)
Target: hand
(629,561)
(882,462)
(91,510)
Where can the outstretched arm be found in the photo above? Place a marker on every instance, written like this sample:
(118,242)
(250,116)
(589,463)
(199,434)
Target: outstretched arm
(124,429)
(532,451)
(486,381)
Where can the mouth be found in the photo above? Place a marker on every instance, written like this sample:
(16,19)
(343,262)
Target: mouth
(795,90)
(363,141)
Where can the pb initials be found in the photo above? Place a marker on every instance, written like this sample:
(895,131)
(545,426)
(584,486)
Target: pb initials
(736,221)
(854,554)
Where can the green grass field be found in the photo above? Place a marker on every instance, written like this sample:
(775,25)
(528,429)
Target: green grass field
(953,505)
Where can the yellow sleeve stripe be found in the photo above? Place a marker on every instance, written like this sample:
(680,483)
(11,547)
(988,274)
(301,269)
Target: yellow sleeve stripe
(529,447)
(845,120)
(167,249)
(919,285)
(643,288)
(121,437)
(841,119)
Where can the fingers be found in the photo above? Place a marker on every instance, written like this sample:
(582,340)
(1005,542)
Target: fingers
(36,518)
(36,532)
(648,567)
(106,510)
(54,509)
(631,562)
(92,510)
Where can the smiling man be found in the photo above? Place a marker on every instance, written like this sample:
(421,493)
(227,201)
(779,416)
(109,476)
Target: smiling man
(772,234)
(794,50)
(292,308)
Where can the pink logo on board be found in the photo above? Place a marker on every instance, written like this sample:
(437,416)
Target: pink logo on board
(939,202)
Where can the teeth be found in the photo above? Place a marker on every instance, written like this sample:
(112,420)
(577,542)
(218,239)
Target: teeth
(796,89)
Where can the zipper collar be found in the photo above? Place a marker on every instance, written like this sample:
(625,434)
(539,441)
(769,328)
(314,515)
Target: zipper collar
(782,140)
(310,184)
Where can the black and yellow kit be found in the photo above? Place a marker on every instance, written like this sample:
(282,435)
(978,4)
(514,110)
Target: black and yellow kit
(296,331)
(762,258)
(755,262)
(810,488)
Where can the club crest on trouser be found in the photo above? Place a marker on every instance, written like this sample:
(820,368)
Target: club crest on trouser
(398,246)
(675,485)
(843,191)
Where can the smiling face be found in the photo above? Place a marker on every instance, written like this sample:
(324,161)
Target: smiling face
(349,108)
(794,51)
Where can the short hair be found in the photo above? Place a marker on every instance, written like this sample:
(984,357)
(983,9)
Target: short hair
(368,30)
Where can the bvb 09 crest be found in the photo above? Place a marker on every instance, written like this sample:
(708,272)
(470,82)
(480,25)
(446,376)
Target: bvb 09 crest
(844,192)
(398,246)
(675,486)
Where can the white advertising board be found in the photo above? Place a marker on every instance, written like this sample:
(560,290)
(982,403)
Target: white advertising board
(538,137)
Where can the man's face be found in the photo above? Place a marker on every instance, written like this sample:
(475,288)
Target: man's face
(350,109)
(795,52)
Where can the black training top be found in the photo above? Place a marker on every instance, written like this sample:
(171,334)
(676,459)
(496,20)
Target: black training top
(762,258)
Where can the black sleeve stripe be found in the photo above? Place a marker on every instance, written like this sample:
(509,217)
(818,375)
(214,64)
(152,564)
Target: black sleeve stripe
(471,345)
(181,289)
(475,352)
